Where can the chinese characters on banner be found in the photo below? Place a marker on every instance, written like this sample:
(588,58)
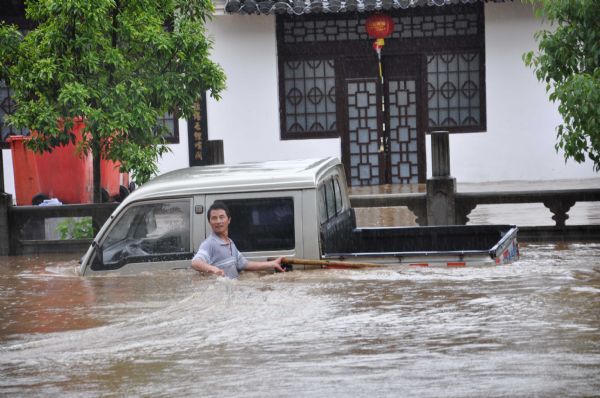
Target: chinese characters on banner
(197,134)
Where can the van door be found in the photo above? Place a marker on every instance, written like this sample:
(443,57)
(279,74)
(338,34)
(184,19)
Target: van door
(199,231)
(146,236)
(264,224)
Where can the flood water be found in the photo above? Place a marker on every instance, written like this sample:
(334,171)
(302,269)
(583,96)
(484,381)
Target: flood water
(531,328)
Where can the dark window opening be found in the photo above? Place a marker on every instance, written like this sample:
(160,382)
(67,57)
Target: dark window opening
(262,224)
(170,122)
(330,201)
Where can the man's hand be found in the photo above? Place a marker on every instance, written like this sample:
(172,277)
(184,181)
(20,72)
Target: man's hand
(217,271)
(201,266)
(274,265)
(277,264)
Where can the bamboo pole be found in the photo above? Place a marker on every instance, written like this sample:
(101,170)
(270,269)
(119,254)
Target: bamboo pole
(330,264)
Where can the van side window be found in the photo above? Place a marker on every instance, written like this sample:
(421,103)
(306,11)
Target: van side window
(262,224)
(322,204)
(148,230)
(330,200)
(339,202)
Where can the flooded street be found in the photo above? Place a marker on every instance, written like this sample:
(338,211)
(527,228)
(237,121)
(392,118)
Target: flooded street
(531,328)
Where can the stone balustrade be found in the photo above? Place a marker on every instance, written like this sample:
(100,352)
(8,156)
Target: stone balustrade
(559,202)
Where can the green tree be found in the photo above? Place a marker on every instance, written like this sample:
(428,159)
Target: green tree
(119,65)
(568,61)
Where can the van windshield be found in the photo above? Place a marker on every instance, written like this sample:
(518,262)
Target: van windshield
(149,229)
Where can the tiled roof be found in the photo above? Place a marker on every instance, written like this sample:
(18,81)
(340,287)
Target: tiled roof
(299,7)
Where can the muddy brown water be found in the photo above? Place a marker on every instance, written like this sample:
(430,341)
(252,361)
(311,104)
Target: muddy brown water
(531,328)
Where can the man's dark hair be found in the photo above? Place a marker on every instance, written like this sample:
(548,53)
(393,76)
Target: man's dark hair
(218,206)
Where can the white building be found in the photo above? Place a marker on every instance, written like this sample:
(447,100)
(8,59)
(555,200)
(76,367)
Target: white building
(307,86)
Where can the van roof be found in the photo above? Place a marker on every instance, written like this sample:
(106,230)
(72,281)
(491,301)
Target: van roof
(242,177)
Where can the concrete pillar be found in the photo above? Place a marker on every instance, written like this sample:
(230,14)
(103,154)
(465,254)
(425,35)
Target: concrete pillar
(441,188)
(5,201)
(441,204)
(440,154)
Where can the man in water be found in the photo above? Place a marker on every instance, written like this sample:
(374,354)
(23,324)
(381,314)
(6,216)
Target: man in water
(218,254)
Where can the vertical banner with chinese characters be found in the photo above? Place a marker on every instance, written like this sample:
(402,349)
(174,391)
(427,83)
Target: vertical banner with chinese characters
(198,133)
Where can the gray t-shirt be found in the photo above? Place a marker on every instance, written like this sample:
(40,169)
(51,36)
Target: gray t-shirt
(221,254)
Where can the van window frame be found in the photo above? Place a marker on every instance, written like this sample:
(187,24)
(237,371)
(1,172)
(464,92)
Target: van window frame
(332,183)
(295,195)
(101,265)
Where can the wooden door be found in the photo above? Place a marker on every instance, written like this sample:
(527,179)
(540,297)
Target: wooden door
(383,144)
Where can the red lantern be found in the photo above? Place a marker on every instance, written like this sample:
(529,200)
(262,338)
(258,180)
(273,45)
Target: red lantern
(379,26)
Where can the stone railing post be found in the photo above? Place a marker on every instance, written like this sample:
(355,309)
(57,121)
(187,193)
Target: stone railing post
(463,209)
(559,209)
(441,188)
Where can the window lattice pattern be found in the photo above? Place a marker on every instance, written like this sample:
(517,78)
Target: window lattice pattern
(453,90)
(309,96)
(363,132)
(405,27)
(7,107)
(403,131)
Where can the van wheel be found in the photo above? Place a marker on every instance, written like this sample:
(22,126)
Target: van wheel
(39,198)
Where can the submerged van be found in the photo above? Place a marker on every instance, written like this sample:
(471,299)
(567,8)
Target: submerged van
(297,208)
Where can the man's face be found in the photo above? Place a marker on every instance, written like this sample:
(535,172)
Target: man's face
(219,222)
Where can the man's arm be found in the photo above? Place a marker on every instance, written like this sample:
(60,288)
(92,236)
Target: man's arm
(202,266)
(264,265)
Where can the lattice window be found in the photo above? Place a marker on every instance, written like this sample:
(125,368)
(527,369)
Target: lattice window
(363,132)
(453,90)
(7,107)
(406,27)
(309,99)
(402,102)
(448,48)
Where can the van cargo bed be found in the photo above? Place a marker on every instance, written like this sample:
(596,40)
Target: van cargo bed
(422,246)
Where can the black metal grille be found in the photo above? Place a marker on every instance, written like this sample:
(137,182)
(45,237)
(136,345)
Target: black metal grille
(310,100)
(453,90)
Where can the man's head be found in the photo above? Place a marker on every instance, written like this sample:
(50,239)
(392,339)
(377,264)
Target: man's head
(219,218)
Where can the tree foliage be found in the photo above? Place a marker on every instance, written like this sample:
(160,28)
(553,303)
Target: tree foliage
(118,64)
(568,61)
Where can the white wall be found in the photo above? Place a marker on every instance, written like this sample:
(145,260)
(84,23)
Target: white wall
(521,122)
(518,144)
(178,158)
(247,116)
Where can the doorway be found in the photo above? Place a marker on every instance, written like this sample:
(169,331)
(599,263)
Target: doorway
(384,143)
